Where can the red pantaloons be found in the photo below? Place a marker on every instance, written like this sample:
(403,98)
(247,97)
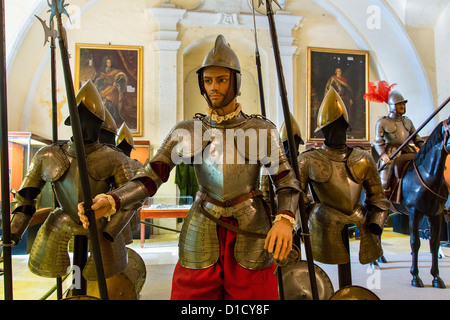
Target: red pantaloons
(225,280)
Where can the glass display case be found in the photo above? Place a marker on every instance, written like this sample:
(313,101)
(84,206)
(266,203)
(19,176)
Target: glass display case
(165,212)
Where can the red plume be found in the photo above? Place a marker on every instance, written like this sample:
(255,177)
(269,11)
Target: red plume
(378,92)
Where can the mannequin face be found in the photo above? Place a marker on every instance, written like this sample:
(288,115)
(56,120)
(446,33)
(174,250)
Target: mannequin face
(217,83)
(401,108)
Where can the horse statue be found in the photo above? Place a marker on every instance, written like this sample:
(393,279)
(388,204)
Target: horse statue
(423,194)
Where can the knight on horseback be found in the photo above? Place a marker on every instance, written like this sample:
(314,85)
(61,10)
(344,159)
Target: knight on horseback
(391,132)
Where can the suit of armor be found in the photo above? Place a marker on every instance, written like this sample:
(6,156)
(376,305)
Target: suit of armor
(337,177)
(391,132)
(337,174)
(57,164)
(227,236)
(199,247)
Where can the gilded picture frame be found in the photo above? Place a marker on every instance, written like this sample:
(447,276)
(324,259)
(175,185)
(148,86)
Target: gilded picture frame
(348,72)
(116,70)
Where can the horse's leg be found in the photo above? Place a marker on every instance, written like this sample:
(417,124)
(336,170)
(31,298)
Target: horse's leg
(435,231)
(414,219)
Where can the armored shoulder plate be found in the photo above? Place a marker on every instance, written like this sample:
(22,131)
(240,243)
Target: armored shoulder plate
(51,162)
(247,138)
(360,163)
(319,167)
(185,140)
(407,123)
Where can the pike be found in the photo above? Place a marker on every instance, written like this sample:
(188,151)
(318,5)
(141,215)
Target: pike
(57,8)
(6,239)
(291,143)
(52,34)
(416,132)
(263,112)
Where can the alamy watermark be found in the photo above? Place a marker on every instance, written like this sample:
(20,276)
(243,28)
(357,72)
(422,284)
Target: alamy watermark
(373,21)
(374,279)
(228,146)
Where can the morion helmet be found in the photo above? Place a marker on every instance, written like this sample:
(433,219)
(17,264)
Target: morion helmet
(331,109)
(395,97)
(89,96)
(124,134)
(221,55)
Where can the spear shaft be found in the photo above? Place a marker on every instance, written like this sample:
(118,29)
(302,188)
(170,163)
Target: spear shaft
(6,239)
(81,159)
(291,143)
(263,112)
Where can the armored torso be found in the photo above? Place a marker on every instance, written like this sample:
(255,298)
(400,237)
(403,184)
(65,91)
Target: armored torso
(56,164)
(391,132)
(227,158)
(337,177)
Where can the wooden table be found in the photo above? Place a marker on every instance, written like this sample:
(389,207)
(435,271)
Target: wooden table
(146,213)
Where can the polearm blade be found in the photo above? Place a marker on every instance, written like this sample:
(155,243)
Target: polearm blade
(6,238)
(416,132)
(57,8)
(291,143)
(50,33)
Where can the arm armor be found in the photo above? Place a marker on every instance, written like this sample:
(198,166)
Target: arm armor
(376,203)
(287,189)
(380,142)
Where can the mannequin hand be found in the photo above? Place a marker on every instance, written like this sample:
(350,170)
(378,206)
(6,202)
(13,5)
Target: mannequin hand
(279,239)
(385,158)
(100,206)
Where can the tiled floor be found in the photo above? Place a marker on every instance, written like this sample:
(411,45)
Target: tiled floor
(390,282)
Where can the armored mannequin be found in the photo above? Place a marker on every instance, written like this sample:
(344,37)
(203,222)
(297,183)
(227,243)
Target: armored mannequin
(226,239)
(337,174)
(390,133)
(127,219)
(57,164)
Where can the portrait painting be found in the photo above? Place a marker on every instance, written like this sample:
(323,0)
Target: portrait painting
(116,71)
(347,72)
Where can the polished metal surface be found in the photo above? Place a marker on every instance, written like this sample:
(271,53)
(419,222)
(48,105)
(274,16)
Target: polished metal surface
(296,282)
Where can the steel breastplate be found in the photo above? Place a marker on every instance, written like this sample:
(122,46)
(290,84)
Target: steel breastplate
(226,172)
(339,191)
(69,193)
(396,133)
(213,175)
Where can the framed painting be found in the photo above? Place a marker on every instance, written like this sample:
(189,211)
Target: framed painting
(117,73)
(347,71)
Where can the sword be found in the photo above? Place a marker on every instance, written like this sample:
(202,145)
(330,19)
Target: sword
(291,143)
(416,132)
(57,8)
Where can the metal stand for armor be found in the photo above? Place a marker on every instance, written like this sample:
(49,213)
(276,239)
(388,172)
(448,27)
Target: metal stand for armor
(6,239)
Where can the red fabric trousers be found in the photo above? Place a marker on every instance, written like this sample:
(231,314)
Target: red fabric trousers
(226,279)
